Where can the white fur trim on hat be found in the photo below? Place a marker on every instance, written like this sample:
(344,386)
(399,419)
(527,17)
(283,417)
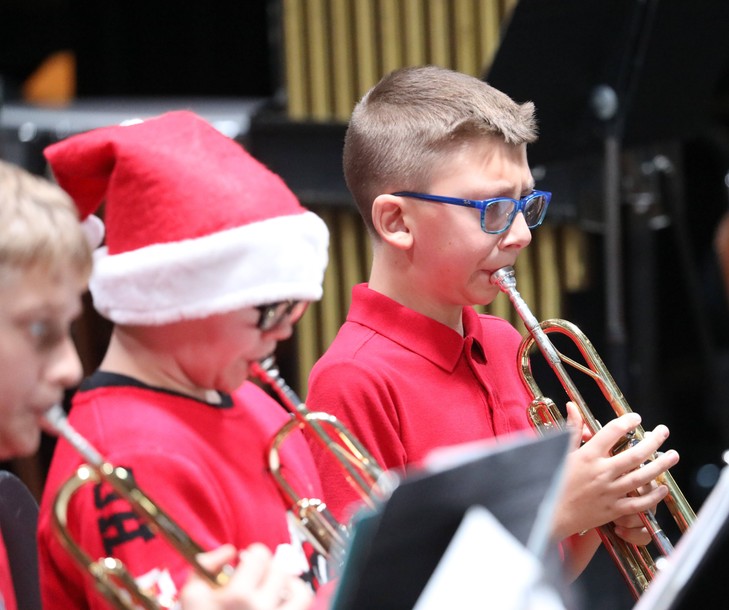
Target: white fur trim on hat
(93,228)
(271,260)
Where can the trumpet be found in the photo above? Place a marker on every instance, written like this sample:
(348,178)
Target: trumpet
(324,532)
(112,579)
(360,468)
(635,563)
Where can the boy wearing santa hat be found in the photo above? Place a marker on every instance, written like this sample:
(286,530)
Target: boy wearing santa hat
(209,261)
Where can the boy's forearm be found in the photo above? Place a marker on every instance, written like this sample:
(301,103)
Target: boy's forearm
(579,550)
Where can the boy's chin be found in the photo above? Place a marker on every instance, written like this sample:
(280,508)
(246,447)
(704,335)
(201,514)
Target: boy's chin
(487,295)
(20,444)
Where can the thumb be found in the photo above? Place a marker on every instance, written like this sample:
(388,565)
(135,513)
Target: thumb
(214,560)
(576,424)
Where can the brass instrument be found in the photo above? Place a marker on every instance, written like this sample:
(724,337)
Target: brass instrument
(112,579)
(322,530)
(360,469)
(634,562)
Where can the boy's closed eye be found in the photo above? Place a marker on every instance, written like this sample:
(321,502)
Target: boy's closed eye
(45,333)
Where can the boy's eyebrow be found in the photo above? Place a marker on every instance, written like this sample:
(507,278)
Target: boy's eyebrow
(504,191)
(48,309)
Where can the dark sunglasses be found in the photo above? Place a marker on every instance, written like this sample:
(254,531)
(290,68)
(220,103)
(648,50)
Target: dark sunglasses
(274,314)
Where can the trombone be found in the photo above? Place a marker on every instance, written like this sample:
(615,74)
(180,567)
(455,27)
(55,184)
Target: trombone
(112,579)
(360,468)
(634,562)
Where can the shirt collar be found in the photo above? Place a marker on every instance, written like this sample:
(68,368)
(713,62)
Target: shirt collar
(411,330)
(102,379)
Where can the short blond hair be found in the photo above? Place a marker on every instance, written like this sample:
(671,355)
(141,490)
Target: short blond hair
(412,118)
(39,225)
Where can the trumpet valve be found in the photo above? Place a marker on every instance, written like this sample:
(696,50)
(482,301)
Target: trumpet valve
(544,415)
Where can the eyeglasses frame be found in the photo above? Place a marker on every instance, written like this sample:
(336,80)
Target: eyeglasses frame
(269,319)
(482,204)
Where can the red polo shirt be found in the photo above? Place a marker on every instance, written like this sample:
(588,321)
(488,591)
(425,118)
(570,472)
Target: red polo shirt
(406,384)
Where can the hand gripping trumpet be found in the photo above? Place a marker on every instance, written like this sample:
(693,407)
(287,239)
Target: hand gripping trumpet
(112,579)
(359,467)
(634,562)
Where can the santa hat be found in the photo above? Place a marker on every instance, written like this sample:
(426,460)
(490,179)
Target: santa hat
(195,226)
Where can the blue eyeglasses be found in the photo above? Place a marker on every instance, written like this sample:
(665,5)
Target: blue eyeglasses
(498,213)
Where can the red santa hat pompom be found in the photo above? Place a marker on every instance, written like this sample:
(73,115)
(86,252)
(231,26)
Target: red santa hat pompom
(195,225)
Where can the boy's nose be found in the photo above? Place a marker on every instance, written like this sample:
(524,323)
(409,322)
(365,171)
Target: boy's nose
(281,331)
(519,235)
(65,368)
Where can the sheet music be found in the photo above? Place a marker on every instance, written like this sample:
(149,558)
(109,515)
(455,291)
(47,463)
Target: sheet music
(484,559)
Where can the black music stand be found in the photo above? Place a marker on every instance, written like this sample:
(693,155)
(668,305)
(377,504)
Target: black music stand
(606,77)
(397,549)
(18,527)
(661,58)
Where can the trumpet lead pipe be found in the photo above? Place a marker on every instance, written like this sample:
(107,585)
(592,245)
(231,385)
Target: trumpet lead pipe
(505,280)
(58,423)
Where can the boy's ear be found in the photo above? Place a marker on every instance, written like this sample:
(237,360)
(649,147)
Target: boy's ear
(390,219)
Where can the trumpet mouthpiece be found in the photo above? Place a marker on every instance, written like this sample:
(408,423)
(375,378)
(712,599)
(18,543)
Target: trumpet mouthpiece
(503,277)
(58,424)
(55,416)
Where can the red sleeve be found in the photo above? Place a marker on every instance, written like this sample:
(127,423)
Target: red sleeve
(364,405)
(103,524)
(207,469)
(324,596)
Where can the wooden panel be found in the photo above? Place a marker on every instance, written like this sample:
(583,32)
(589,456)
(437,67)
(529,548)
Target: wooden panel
(439,37)
(343,86)
(464,34)
(365,43)
(295,59)
(390,31)
(335,50)
(488,36)
(318,27)
(414,31)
